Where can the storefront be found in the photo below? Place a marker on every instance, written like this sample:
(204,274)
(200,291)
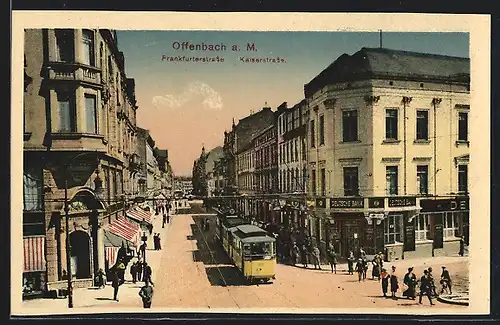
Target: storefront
(34,266)
(441,223)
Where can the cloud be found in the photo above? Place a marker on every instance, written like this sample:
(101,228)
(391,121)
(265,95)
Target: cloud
(211,98)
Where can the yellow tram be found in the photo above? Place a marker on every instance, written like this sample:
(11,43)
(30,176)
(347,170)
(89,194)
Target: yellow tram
(250,248)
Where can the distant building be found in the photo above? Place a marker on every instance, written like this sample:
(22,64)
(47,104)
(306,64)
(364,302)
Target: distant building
(212,157)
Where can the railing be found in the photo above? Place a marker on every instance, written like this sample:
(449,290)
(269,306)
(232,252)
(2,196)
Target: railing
(73,71)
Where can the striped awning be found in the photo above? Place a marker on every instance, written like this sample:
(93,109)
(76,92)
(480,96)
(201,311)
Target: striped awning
(125,229)
(34,253)
(140,215)
(111,254)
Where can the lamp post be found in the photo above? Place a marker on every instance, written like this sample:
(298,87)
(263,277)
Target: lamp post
(68,244)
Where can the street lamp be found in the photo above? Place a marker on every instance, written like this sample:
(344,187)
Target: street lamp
(66,213)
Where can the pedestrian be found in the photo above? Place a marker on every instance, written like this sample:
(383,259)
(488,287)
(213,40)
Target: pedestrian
(164,220)
(376,267)
(146,293)
(116,283)
(295,253)
(332,258)
(394,283)
(203,223)
(207,224)
(305,256)
(425,287)
(150,228)
(365,266)
(158,240)
(385,281)
(168,217)
(142,249)
(432,283)
(139,269)
(316,257)
(100,279)
(360,267)
(445,280)
(147,273)
(350,263)
(133,272)
(461,251)
(410,280)
(155,242)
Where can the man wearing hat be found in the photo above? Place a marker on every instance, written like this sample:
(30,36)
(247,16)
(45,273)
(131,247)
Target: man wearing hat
(445,280)
(425,287)
(431,282)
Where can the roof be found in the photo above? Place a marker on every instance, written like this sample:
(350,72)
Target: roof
(233,222)
(258,239)
(249,229)
(370,63)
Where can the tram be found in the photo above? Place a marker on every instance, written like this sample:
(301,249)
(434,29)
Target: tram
(250,248)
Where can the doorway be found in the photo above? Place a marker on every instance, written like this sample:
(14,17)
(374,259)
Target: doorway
(80,254)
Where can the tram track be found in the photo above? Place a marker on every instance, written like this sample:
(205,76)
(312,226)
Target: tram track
(214,261)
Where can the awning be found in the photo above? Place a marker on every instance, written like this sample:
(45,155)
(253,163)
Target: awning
(111,254)
(34,253)
(126,230)
(140,215)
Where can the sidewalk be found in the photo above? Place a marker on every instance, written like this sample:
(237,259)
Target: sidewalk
(128,293)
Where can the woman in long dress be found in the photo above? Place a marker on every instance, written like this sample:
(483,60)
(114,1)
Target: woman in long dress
(410,280)
(376,267)
(394,283)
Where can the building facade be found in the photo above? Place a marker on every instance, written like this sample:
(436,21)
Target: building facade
(79,135)
(388,139)
(213,157)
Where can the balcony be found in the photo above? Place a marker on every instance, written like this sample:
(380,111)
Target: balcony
(76,72)
(77,141)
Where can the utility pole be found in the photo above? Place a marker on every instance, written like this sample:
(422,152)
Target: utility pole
(380,38)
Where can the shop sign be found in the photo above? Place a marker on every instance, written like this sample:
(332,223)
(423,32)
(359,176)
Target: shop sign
(456,204)
(347,203)
(376,202)
(402,201)
(409,240)
(321,203)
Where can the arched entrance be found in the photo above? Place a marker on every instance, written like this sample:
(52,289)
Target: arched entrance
(80,254)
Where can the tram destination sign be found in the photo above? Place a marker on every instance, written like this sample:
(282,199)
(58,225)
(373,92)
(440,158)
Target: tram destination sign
(402,201)
(347,203)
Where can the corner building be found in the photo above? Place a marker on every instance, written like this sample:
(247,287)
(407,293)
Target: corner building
(79,135)
(388,156)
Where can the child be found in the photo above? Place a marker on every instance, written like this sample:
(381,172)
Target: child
(385,281)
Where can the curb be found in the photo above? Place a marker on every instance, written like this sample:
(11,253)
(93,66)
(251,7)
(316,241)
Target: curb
(446,300)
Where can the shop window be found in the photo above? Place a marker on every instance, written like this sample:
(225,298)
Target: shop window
(351,186)
(350,126)
(321,130)
(422,125)
(32,190)
(392,229)
(462,178)
(313,135)
(391,175)
(463,126)
(423,179)
(451,225)
(391,124)
(33,282)
(422,227)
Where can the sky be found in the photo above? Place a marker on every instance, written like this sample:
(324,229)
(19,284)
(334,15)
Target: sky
(188,105)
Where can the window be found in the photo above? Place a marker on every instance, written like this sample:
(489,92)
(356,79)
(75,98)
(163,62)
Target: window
(88,47)
(304,178)
(292,151)
(462,178)
(67,113)
(351,181)
(32,190)
(313,135)
(304,153)
(64,45)
(391,124)
(392,229)
(313,181)
(391,176)
(423,179)
(110,68)
(322,129)
(107,183)
(90,114)
(422,227)
(450,225)
(323,182)
(350,125)
(463,126)
(422,125)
